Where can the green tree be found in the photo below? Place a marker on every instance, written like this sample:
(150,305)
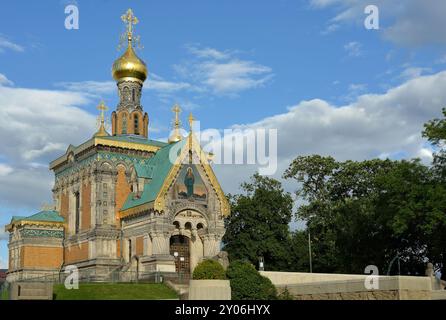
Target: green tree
(258,224)
(362,213)
(435,132)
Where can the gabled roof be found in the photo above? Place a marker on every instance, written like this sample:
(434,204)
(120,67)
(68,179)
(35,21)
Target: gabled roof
(44,216)
(156,170)
(123,141)
(160,172)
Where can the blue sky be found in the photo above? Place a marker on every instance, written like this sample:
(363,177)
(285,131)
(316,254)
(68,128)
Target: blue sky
(308,68)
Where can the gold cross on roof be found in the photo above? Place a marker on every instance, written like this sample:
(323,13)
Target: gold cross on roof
(191,121)
(129,19)
(176,109)
(102,107)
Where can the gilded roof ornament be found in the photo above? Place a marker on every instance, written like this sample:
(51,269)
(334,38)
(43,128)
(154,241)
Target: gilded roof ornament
(176,135)
(102,132)
(129,65)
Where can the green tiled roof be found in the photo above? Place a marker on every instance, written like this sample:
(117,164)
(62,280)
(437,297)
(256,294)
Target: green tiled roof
(156,170)
(136,139)
(51,215)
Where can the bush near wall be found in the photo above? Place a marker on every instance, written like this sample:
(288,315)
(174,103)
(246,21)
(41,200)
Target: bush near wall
(248,284)
(209,270)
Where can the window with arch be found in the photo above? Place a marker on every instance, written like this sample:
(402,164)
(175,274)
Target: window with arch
(136,123)
(126,94)
(124,123)
(133,94)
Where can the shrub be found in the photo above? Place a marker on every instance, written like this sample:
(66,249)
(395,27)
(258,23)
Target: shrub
(209,269)
(248,284)
(285,295)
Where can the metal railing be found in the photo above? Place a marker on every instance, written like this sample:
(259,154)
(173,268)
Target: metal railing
(116,276)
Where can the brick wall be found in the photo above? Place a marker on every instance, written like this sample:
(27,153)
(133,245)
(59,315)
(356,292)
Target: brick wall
(76,253)
(41,257)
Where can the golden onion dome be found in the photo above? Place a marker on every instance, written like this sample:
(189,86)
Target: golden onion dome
(129,66)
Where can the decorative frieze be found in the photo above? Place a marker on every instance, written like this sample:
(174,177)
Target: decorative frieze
(42,233)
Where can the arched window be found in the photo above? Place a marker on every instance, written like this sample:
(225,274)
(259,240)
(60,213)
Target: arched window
(77,213)
(133,95)
(124,123)
(136,124)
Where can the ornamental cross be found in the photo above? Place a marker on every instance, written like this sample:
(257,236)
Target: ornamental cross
(176,109)
(130,20)
(101,118)
(191,121)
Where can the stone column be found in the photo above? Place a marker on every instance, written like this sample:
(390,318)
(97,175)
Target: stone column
(160,243)
(211,245)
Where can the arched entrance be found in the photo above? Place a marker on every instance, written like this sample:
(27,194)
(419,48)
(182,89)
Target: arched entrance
(180,249)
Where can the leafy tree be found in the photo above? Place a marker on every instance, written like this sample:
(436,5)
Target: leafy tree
(258,224)
(435,132)
(362,213)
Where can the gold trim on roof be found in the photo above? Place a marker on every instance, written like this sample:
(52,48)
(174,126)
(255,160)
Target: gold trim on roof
(160,201)
(20,223)
(125,144)
(134,210)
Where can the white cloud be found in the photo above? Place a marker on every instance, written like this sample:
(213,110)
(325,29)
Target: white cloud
(96,88)
(441,60)
(222,73)
(208,52)
(163,86)
(37,126)
(353,49)
(233,76)
(5,44)
(413,72)
(404,22)
(4,81)
(91,87)
(5,169)
(373,125)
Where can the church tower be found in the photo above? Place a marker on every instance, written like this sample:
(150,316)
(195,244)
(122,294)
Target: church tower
(125,205)
(130,72)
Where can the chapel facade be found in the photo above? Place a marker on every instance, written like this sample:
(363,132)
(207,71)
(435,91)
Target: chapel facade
(124,202)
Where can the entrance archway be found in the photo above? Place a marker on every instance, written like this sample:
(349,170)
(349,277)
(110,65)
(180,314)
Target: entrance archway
(181,245)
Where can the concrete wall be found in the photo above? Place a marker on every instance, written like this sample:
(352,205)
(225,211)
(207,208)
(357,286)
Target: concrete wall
(209,290)
(317,286)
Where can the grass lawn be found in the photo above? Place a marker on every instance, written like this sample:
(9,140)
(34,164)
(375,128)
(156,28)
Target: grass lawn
(4,295)
(115,291)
